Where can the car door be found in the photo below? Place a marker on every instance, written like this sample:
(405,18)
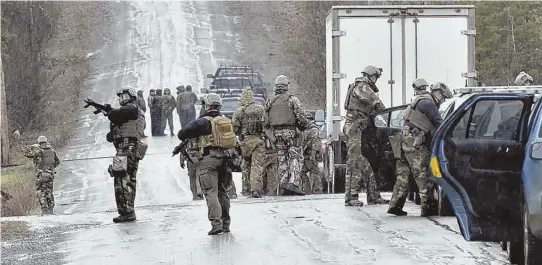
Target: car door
(476,157)
(378,149)
(532,171)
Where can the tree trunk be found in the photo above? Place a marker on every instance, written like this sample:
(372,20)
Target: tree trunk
(4,120)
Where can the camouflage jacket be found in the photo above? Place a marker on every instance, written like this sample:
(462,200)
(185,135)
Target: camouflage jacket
(36,153)
(168,103)
(241,123)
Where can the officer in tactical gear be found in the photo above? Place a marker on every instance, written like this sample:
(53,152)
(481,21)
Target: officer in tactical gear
(248,122)
(422,118)
(523,79)
(420,86)
(215,138)
(168,105)
(45,161)
(286,119)
(127,126)
(361,102)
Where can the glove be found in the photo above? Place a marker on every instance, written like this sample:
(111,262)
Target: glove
(107,107)
(183,165)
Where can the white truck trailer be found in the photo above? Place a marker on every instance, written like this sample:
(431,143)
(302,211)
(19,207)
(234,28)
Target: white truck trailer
(435,42)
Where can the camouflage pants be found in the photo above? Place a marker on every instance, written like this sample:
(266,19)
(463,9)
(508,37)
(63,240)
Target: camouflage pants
(125,184)
(214,178)
(167,118)
(290,157)
(270,172)
(253,150)
(44,191)
(414,161)
(358,168)
(310,177)
(195,187)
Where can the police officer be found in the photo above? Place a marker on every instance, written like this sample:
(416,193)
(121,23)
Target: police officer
(127,126)
(285,118)
(45,161)
(523,79)
(422,118)
(248,122)
(214,144)
(361,102)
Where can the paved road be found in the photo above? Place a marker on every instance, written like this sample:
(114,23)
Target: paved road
(159,44)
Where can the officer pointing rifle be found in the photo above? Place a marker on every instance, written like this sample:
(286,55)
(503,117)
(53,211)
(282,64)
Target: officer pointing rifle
(411,147)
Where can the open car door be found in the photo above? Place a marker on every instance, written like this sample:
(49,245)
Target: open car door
(477,156)
(380,155)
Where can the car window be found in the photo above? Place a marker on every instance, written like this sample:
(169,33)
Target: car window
(490,119)
(393,119)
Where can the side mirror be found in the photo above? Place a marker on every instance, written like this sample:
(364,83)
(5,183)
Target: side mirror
(204,90)
(322,134)
(210,76)
(319,116)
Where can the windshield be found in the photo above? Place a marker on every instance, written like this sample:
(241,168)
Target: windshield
(240,83)
(234,104)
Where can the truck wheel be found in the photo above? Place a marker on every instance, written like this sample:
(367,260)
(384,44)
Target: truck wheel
(444,205)
(340,178)
(532,246)
(515,252)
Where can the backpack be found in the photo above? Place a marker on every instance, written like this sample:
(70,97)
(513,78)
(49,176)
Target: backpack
(222,132)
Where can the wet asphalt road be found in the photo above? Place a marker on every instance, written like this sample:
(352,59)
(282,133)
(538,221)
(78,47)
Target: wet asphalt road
(160,45)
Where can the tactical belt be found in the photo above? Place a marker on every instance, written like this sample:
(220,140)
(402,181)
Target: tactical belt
(125,141)
(283,127)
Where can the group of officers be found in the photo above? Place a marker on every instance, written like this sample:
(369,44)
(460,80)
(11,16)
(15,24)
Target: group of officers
(276,141)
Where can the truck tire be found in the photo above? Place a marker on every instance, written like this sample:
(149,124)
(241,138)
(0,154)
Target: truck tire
(444,205)
(340,178)
(532,246)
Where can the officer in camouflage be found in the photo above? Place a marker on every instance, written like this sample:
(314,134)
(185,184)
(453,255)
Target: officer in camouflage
(215,137)
(168,105)
(45,161)
(127,126)
(422,118)
(285,118)
(248,122)
(195,187)
(361,102)
(312,154)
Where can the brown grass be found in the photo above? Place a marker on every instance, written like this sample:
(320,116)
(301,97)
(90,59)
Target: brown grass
(20,183)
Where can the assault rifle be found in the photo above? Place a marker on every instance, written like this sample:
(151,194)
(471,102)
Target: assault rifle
(99,108)
(269,139)
(181,148)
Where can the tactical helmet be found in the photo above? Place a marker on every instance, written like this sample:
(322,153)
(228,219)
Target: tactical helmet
(420,83)
(213,99)
(42,139)
(523,78)
(167,91)
(372,70)
(282,80)
(131,91)
(446,92)
(189,88)
(180,88)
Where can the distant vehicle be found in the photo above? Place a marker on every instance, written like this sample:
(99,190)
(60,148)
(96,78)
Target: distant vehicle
(241,71)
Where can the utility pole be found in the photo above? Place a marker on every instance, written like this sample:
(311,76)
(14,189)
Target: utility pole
(4,120)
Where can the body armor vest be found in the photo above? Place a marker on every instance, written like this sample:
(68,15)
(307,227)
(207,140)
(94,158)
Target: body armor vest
(47,158)
(355,104)
(280,112)
(130,128)
(416,118)
(141,123)
(252,119)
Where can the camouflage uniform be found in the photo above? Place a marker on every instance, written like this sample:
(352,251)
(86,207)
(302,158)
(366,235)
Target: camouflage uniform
(248,122)
(312,154)
(414,158)
(155,106)
(45,161)
(127,125)
(285,117)
(361,102)
(195,187)
(270,172)
(168,105)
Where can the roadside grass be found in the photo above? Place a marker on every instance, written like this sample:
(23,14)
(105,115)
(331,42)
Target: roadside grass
(19,182)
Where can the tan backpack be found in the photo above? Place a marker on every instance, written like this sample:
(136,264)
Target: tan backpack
(223,135)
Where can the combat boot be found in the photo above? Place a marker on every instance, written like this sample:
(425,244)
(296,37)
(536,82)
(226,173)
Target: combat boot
(130,217)
(216,231)
(396,211)
(294,189)
(256,194)
(353,202)
(378,201)
(427,211)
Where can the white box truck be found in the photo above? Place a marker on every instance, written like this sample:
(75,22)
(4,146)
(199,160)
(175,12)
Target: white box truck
(435,42)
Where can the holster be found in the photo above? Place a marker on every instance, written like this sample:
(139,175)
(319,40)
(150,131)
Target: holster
(141,150)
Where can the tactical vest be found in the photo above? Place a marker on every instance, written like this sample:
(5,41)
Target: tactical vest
(130,128)
(354,103)
(252,119)
(47,158)
(280,112)
(417,118)
(222,134)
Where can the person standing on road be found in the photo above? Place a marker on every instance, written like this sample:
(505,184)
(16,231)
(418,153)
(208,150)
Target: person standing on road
(248,122)
(285,118)
(422,118)
(361,102)
(195,187)
(127,126)
(45,161)
(168,105)
(312,154)
(157,104)
(215,137)
(186,103)
(140,102)
(180,90)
